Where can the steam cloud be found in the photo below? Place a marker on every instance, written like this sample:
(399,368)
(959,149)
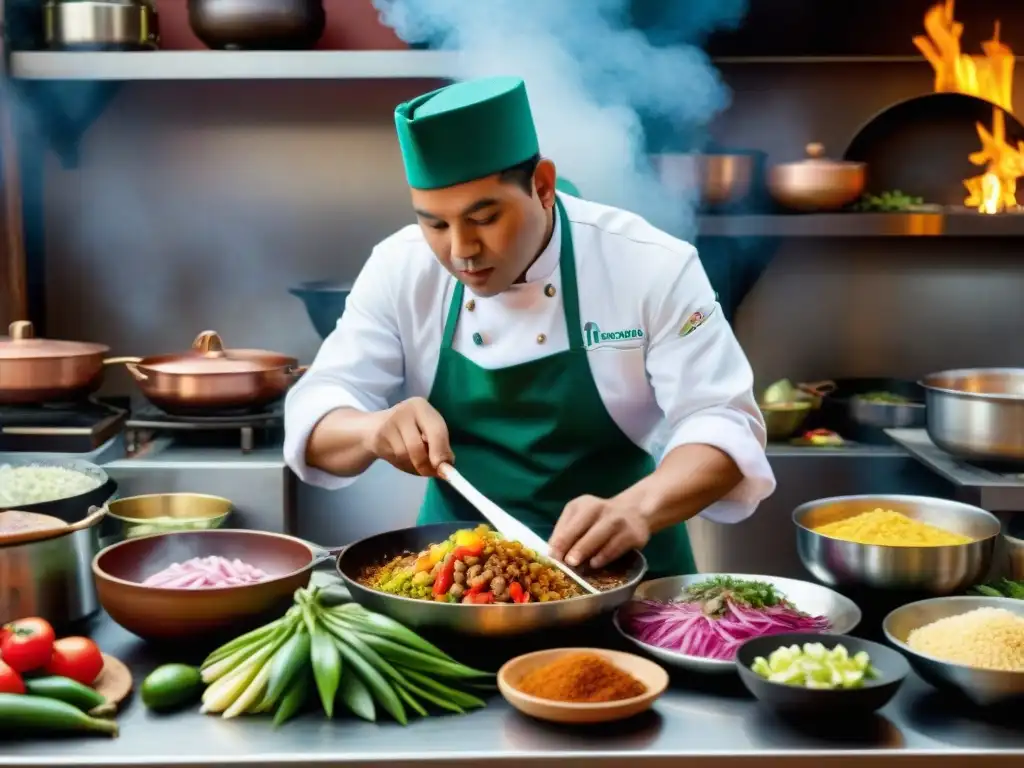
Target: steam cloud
(592,77)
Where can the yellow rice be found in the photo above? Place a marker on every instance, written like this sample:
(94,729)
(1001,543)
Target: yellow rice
(890,529)
(989,638)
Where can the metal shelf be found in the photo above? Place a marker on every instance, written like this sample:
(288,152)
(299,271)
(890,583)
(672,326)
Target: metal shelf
(301,65)
(233,65)
(956,223)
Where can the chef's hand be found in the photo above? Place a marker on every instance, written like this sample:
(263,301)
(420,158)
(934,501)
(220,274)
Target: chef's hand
(597,530)
(413,437)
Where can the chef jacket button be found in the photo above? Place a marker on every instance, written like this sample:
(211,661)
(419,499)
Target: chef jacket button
(471,305)
(541,338)
(478,339)
(549,290)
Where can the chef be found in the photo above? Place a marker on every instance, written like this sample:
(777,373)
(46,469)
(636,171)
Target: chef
(568,358)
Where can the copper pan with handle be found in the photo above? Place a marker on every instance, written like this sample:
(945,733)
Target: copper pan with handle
(35,370)
(209,378)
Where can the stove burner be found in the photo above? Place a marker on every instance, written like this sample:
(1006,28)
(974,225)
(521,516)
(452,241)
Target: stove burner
(73,427)
(150,420)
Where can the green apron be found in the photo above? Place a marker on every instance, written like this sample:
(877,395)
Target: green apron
(534,436)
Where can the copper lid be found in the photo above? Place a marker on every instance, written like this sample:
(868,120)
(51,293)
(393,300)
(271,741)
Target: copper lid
(22,344)
(816,159)
(208,356)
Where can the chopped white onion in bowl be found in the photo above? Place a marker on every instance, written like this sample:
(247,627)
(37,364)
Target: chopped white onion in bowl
(23,485)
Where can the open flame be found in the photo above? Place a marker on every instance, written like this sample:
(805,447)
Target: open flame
(990,77)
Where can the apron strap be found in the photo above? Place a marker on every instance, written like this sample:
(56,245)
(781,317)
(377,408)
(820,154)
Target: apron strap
(570,291)
(453,316)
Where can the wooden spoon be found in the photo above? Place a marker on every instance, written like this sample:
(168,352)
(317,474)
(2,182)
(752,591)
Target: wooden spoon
(18,527)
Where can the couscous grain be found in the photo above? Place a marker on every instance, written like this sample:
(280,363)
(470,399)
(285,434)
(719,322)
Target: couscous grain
(987,638)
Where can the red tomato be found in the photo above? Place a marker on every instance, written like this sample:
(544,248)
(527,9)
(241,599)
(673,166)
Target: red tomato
(27,644)
(10,681)
(76,657)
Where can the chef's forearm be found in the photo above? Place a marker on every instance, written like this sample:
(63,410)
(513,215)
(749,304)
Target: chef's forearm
(689,479)
(339,443)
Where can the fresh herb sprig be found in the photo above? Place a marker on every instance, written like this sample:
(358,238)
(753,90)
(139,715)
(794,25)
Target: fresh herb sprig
(715,591)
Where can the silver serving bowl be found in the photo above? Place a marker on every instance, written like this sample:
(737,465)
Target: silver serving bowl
(976,413)
(928,570)
(842,613)
(982,686)
(508,619)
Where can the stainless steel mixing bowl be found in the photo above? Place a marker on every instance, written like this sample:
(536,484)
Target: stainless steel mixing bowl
(842,613)
(977,413)
(928,570)
(982,686)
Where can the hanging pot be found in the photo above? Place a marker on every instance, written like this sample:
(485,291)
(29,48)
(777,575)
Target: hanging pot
(46,370)
(817,183)
(257,24)
(209,378)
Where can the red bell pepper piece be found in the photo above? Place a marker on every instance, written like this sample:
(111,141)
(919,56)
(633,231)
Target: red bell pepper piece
(479,598)
(446,577)
(517,593)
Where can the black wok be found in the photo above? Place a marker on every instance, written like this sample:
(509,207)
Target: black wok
(481,620)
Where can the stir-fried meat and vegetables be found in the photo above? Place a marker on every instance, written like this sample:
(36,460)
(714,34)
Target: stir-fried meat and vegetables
(477,566)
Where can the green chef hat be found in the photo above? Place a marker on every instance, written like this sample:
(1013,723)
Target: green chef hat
(564,185)
(465,131)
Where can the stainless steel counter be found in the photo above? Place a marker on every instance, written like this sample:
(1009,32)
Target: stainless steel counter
(692,725)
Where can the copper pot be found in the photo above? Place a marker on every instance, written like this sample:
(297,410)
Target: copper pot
(200,615)
(817,183)
(210,378)
(46,370)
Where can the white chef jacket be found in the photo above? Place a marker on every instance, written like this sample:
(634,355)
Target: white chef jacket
(638,288)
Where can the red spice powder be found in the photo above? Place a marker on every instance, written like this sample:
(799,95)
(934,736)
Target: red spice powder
(581,678)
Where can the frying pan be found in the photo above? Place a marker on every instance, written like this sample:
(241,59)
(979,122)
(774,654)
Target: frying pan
(480,620)
(161,614)
(920,146)
(862,420)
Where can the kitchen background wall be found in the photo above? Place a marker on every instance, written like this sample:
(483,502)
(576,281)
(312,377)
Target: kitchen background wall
(196,205)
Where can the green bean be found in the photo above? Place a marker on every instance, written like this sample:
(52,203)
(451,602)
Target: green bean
(410,702)
(294,697)
(463,699)
(386,627)
(289,661)
(239,642)
(382,691)
(408,657)
(327,667)
(437,701)
(355,695)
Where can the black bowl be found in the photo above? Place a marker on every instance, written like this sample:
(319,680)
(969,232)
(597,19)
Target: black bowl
(817,702)
(73,508)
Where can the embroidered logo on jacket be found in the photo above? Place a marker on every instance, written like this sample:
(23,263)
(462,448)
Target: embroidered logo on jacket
(696,320)
(593,336)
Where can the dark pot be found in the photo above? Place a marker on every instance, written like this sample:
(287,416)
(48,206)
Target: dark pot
(73,508)
(257,24)
(325,301)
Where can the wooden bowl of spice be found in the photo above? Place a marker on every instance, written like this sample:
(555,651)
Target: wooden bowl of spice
(581,685)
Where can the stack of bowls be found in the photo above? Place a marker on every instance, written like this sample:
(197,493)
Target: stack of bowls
(943,570)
